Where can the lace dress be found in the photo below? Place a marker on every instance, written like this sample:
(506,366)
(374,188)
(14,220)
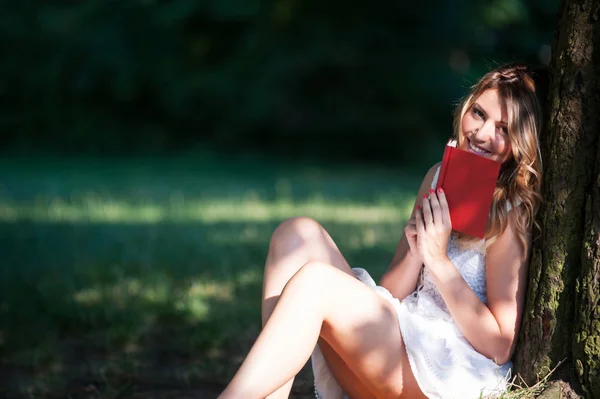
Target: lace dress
(443,362)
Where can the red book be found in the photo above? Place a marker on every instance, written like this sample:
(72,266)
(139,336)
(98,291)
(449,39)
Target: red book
(468,181)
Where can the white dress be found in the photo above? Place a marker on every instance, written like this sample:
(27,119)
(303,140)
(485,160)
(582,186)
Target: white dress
(443,362)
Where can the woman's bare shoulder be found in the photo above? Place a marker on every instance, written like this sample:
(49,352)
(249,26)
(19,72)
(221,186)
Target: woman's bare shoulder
(426,183)
(428,179)
(434,168)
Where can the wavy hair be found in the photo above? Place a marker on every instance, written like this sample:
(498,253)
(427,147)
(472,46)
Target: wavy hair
(520,177)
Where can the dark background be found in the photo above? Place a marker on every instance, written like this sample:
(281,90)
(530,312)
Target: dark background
(366,81)
(148,150)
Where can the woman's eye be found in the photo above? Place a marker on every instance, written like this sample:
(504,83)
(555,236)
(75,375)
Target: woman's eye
(478,112)
(504,129)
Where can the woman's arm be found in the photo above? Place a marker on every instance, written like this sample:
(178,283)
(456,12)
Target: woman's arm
(402,275)
(491,329)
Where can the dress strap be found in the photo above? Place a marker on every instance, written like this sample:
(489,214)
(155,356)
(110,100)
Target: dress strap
(451,143)
(435,178)
(509,206)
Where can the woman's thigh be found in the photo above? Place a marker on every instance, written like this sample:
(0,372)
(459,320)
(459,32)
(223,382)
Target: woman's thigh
(355,388)
(361,327)
(345,377)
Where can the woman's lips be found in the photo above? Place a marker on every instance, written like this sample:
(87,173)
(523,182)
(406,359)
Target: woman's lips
(476,149)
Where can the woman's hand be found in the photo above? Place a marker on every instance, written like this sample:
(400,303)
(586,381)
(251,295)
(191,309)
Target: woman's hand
(410,231)
(433,228)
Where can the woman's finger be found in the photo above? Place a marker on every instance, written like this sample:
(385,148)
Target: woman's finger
(411,225)
(427,215)
(411,229)
(435,207)
(419,221)
(445,210)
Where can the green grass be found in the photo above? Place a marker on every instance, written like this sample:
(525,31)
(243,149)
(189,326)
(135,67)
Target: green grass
(115,271)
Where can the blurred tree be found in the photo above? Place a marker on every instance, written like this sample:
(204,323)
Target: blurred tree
(334,79)
(562,316)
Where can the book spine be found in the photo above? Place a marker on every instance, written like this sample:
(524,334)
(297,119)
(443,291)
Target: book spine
(444,167)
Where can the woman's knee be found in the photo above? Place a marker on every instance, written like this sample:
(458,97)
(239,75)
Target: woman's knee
(310,275)
(295,232)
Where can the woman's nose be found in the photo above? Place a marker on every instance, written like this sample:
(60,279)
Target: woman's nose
(486,131)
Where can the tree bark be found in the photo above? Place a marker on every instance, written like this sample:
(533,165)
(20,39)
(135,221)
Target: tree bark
(562,314)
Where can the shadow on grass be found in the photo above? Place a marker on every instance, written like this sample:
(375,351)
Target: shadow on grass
(110,307)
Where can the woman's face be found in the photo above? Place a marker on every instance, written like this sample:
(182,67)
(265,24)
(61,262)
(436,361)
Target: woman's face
(485,128)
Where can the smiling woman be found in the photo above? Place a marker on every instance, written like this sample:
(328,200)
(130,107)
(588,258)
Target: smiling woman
(444,320)
(485,127)
(500,120)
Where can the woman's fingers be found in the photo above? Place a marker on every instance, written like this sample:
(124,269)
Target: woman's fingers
(435,207)
(411,238)
(444,209)
(411,227)
(419,221)
(427,215)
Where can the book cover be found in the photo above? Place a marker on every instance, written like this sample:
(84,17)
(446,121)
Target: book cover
(469,181)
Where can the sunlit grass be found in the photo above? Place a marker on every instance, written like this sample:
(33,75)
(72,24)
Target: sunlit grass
(92,209)
(192,299)
(518,389)
(161,272)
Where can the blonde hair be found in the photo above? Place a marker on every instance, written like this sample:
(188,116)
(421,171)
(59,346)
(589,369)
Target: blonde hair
(520,177)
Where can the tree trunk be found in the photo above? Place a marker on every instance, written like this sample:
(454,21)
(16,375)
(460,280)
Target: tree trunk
(562,314)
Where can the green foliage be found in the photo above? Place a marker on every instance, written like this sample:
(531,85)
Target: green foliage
(331,79)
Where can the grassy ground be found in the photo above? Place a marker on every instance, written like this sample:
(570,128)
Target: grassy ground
(141,278)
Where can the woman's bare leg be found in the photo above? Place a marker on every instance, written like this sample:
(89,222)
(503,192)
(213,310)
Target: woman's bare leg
(295,242)
(360,326)
(348,380)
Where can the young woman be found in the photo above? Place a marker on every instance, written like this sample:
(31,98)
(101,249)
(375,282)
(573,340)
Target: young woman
(444,321)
